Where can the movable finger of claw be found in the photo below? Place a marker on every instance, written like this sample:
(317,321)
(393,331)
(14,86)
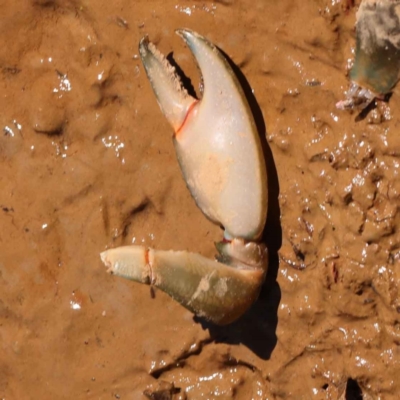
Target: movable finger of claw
(172,97)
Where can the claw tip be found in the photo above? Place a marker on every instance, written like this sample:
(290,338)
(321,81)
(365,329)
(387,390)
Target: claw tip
(106,262)
(143,45)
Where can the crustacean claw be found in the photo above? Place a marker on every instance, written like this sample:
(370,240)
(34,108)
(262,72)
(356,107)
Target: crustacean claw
(376,68)
(220,155)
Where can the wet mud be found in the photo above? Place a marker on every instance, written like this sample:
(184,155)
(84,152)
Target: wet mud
(87,163)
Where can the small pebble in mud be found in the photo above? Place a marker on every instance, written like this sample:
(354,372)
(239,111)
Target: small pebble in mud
(121,22)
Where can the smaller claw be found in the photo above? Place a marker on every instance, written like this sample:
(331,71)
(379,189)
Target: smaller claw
(221,293)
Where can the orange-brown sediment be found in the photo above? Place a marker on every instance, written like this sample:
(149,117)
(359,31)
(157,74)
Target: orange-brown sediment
(87,163)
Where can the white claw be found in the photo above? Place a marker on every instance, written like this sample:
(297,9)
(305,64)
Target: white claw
(216,141)
(221,158)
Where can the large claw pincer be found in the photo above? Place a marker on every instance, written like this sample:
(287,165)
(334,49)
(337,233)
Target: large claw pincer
(220,155)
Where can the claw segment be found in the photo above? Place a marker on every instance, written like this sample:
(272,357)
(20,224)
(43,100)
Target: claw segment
(206,287)
(220,155)
(218,147)
(172,97)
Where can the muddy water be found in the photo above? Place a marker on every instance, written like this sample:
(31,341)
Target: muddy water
(87,163)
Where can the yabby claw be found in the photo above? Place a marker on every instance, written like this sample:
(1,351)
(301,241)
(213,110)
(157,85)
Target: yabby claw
(221,158)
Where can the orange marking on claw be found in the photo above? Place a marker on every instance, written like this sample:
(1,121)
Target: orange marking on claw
(186,117)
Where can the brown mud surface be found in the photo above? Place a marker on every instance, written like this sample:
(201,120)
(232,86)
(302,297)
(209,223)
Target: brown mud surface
(87,163)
